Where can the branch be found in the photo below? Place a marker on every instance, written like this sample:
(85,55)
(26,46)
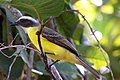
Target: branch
(10,67)
(100,47)
(51,70)
(15,46)
(31,60)
(52,24)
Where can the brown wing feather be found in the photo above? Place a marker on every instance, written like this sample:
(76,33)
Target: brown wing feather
(56,38)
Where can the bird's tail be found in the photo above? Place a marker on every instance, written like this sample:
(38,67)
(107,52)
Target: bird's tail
(95,73)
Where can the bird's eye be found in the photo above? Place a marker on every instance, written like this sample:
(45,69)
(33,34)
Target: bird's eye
(27,22)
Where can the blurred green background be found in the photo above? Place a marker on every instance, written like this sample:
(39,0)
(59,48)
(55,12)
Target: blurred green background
(104,16)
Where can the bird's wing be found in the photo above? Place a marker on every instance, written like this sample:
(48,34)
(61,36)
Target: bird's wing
(56,38)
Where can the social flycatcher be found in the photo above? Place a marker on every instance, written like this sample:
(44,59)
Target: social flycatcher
(53,43)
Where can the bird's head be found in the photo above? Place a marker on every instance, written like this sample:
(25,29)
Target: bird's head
(27,21)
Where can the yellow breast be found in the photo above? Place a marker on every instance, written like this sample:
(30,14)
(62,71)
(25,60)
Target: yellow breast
(57,52)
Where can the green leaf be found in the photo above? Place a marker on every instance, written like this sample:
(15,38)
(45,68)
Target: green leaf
(93,55)
(4,26)
(23,35)
(5,63)
(78,34)
(68,71)
(24,55)
(40,8)
(12,13)
(40,67)
(67,23)
(17,69)
(4,1)
(71,69)
(67,1)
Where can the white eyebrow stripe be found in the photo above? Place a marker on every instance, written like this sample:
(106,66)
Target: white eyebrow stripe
(29,18)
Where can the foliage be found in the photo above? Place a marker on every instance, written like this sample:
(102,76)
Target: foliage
(103,17)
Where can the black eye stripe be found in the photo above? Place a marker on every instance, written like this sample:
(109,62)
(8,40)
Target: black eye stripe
(26,23)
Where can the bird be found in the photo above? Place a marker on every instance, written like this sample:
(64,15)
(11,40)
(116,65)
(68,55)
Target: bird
(52,42)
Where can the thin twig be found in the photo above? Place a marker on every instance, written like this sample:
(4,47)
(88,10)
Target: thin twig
(45,59)
(52,24)
(31,60)
(31,57)
(28,44)
(10,67)
(36,71)
(49,19)
(52,70)
(6,55)
(96,40)
(15,46)
(1,44)
(14,39)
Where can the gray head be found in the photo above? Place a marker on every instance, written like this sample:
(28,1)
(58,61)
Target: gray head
(27,21)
